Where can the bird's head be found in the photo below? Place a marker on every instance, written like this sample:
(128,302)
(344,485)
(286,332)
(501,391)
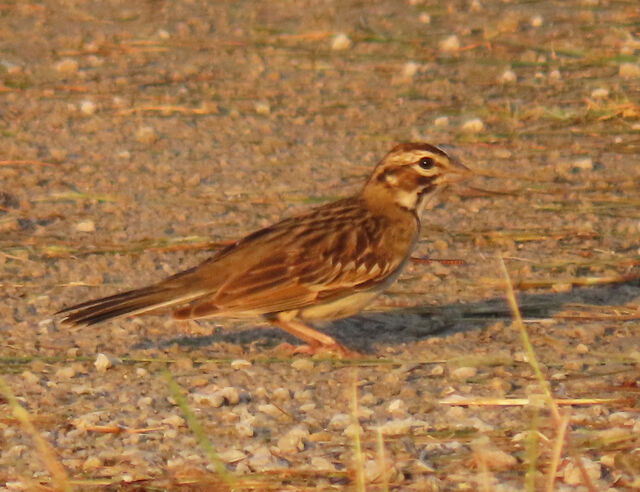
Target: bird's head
(411,173)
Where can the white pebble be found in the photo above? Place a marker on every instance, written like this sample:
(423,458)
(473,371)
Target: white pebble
(240,364)
(473,126)
(536,21)
(232,456)
(352,430)
(65,372)
(303,364)
(293,441)
(341,42)
(319,463)
(586,163)
(174,421)
(410,69)
(462,373)
(396,427)
(102,363)
(508,77)
(450,44)
(270,409)
(163,34)
(437,370)
(86,226)
(397,408)
(629,71)
(475,6)
(340,421)
(555,75)
(244,429)
(600,93)
(281,394)
(441,121)
(88,107)
(146,135)
(424,18)
(67,66)
(262,108)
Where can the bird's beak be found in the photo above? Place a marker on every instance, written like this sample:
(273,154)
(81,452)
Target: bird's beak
(457,172)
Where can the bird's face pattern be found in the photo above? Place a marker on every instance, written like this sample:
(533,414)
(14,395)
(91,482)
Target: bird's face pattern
(411,172)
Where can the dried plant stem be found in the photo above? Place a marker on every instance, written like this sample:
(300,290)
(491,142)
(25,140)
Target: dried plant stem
(198,432)
(357,444)
(531,356)
(558,445)
(47,454)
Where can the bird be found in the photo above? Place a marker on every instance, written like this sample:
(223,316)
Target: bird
(324,264)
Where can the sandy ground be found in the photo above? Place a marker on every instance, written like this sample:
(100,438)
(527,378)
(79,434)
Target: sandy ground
(137,137)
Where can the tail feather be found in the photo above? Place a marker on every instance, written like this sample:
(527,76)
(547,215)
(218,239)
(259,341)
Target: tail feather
(126,303)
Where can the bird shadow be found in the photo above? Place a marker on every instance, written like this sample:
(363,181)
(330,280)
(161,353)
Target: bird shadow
(363,332)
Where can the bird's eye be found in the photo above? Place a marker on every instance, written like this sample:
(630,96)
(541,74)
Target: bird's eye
(426,163)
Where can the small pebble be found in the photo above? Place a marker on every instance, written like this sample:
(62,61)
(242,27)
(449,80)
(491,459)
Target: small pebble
(146,135)
(585,163)
(262,108)
(437,370)
(340,421)
(270,410)
(303,364)
(293,441)
(424,18)
(67,66)
(281,394)
(473,126)
(86,226)
(555,75)
(463,373)
(65,372)
(244,429)
(174,421)
(397,427)
(600,93)
(397,408)
(410,69)
(320,464)
(102,363)
(441,121)
(240,364)
(341,42)
(232,456)
(352,430)
(450,44)
(29,377)
(88,107)
(536,21)
(629,71)
(508,77)
(91,463)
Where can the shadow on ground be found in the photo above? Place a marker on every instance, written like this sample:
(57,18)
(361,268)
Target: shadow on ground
(363,332)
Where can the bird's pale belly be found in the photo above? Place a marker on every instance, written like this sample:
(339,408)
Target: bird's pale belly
(339,308)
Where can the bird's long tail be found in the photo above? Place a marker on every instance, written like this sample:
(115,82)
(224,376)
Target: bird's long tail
(128,303)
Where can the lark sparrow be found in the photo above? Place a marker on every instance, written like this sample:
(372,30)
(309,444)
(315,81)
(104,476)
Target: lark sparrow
(324,264)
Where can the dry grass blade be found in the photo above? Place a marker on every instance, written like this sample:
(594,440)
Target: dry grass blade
(557,452)
(382,461)
(357,444)
(531,356)
(198,432)
(521,402)
(47,454)
(533,362)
